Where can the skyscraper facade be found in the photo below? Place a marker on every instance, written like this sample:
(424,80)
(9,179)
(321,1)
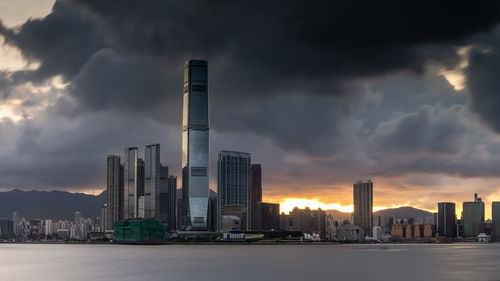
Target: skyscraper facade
(447,220)
(268,216)
(114,189)
(473,213)
(168,200)
(255,193)
(131,183)
(152,180)
(495,212)
(233,186)
(363,205)
(195,137)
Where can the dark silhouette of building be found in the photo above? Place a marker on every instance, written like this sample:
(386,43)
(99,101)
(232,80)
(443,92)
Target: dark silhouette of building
(309,221)
(473,213)
(495,212)
(114,192)
(255,194)
(363,205)
(447,220)
(268,216)
(212,210)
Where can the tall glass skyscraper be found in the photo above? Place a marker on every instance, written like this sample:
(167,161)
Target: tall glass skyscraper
(151,180)
(131,183)
(114,191)
(363,205)
(195,126)
(233,186)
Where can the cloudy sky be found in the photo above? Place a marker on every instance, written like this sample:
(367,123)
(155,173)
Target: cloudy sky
(321,93)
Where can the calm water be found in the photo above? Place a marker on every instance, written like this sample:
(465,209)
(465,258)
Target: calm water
(249,262)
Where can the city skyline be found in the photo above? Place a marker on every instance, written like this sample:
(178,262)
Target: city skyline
(416,120)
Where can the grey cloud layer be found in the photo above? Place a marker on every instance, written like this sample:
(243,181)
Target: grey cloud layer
(292,75)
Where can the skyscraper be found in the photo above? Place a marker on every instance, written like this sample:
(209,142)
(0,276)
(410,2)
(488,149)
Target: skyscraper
(131,183)
(233,186)
(473,213)
(152,180)
(268,216)
(255,194)
(168,200)
(195,129)
(114,189)
(495,212)
(447,220)
(363,205)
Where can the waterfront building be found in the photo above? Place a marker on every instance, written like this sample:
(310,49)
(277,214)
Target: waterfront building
(195,143)
(152,180)
(308,221)
(6,228)
(363,205)
(131,183)
(255,194)
(233,186)
(212,211)
(16,219)
(495,212)
(447,220)
(473,213)
(114,189)
(267,216)
(168,199)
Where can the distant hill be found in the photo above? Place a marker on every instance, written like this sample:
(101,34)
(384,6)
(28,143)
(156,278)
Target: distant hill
(54,205)
(400,213)
(403,213)
(338,215)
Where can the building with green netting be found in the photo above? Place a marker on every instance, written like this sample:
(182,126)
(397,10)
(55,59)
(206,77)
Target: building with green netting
(138,231)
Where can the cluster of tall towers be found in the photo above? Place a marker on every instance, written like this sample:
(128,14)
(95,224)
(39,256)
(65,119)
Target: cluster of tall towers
(141,188)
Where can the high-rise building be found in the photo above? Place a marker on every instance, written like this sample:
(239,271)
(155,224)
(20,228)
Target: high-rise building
(114,189)
(268,216)
(255,194)
(130,183)
(447,220)
(309,221)
(78,217)
(472,214)
(233,186)
(152,180)
(106,223)
(195,129)
(495,212)
(168,199)
(363,206)
(16,219)
(212,210)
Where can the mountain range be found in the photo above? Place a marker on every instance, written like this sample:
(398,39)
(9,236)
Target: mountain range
(60,205)
(56,205)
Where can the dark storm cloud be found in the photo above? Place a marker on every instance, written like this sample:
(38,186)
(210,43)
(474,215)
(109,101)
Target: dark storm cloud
(482,78)
(62,42)
(288,71)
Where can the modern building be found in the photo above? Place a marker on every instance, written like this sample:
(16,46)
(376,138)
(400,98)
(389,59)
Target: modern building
(363,206)
(195,139)
(130,183)
(152,180)
(233,186)
(267,216)
(212,211)
(16,219)
(6,228)
(472,214)
(495,212)
(114,189)
(308,221)
(78,217)
(230,223)
(447,220)
(168,199)
(255,193)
